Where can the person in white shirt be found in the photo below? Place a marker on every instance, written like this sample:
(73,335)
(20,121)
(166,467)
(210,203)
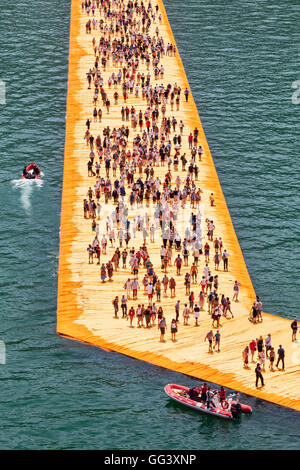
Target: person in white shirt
(186,314)
(135,286)
(225,257)
(103,244)
(268,344)
(206,270)
(150,291)
(127,287)
(99,207)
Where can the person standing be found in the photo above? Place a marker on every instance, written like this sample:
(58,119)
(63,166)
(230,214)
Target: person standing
(268,344)
(281,355)
(258,306)
(158,290)
(203,392)
(246,357)
(174,329)
(134,286)
(262,359)
(236,290)
(147,315)
(127,286)
(294,326)
(90,250)
(201,300)
(162,324)
(150,291)
(217,340)
(131,315)
(259,376)
(260,345)
(209,337)
(272,359)
(177,307)
(178,264)
(186,314)
(124,306)
(186,94)
(252,347)
(225,257)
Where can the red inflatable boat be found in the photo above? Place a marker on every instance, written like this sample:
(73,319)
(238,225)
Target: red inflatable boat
(31,172)
(228,409)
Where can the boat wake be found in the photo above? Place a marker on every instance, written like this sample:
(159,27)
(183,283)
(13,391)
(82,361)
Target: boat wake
(26,187)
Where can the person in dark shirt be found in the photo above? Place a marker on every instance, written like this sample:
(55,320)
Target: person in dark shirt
(259,376)
(281,354)
(294,326)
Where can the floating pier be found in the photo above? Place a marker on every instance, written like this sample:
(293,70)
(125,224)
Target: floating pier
(84,308)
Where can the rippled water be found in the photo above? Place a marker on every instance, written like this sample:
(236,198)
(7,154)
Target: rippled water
(241,61)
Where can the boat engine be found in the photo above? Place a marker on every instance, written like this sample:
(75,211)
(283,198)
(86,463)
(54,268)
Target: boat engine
(236,409)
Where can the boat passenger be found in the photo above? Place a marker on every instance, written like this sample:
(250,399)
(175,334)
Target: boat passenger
(203,392)
(222,394)
(194,393)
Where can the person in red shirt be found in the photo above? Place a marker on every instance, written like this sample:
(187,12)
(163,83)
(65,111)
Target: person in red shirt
(178,264)
(222,394)
(252,347)
(203,392)
(131,315)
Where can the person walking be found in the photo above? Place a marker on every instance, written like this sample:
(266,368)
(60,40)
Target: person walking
(196,314)
(178,264)
(172,285)
(186,314)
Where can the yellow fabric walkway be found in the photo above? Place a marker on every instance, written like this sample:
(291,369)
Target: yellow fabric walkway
(85,310)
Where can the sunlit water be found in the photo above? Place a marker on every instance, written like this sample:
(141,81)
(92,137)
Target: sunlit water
(241,61)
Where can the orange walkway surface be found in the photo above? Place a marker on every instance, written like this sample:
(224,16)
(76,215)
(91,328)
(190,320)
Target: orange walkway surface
(84,308)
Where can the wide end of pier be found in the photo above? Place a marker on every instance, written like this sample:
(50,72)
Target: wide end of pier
(85,309)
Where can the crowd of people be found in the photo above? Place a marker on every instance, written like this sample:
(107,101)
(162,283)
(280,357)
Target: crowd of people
(145,174)
(260,349)
(123,161)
